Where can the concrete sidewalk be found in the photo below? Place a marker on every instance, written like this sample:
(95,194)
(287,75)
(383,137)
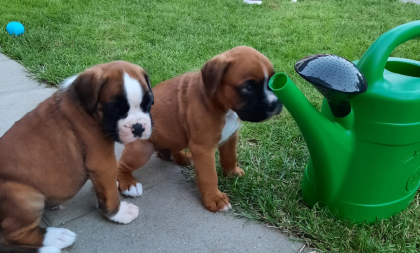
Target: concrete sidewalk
(411,1)
(171,217)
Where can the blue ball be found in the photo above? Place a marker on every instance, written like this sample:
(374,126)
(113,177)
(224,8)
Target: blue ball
(15,28)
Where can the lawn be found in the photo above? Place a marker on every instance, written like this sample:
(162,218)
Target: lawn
(169,37)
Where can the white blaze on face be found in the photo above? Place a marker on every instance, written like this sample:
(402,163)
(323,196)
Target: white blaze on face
(270,95)
(134,94)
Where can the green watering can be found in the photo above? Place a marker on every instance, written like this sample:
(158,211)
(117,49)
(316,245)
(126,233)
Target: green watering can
(365,142)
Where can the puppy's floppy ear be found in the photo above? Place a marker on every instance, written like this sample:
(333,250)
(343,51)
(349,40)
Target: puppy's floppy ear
(213,71)
(87,87)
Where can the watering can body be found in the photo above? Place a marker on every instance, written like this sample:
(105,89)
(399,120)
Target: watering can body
(365,166)
(378,154)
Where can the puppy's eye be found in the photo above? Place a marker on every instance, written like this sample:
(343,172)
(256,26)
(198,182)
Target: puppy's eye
(113,109)
(249,88)
(147,102)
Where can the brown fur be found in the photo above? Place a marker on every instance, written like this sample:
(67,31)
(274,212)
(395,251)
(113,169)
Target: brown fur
(48,155)
(189,112)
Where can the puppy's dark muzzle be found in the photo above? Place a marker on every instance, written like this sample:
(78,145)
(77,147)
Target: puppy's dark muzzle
(137,130)
(273,109)
(276,108)
(261,112)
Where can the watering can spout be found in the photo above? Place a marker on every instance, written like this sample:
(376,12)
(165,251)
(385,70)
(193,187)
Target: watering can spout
(323,136)
(308,118)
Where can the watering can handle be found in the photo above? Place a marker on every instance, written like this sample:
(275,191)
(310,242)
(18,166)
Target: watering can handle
(372,63)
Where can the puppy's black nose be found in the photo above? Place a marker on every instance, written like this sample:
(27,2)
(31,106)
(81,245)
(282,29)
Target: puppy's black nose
(137,130)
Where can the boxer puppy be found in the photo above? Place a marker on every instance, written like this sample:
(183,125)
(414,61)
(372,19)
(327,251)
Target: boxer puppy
(48,155)
(201,111)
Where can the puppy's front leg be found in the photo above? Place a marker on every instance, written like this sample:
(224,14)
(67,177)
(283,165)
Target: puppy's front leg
(204,161)
(228,158)
(103,175)
(135,155)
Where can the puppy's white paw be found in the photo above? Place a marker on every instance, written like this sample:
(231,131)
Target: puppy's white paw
(225,208)
(49,249)
(134,191)
(58,238)
(127,213)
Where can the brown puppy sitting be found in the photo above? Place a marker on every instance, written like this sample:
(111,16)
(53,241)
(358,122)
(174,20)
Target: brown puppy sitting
(201,111)
(48,155)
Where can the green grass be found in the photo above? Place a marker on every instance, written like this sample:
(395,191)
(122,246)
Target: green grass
(171,37)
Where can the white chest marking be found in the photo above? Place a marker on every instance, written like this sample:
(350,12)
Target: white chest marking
(232,124)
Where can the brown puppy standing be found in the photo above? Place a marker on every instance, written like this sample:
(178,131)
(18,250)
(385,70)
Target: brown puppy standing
(201,111)
(48,155)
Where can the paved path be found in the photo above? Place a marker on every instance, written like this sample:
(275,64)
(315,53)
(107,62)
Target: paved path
(171,217)
(411,1)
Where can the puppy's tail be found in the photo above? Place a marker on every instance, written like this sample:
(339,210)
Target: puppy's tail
(22,249)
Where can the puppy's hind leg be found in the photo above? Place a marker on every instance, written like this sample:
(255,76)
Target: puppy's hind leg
(135,155)
(164,154)
(20,213)
(183,158)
